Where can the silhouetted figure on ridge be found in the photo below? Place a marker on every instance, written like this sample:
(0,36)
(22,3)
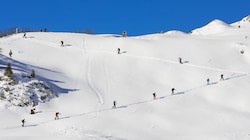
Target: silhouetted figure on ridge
(24,35)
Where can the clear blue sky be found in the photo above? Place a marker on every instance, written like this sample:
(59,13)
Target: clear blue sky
(137,17)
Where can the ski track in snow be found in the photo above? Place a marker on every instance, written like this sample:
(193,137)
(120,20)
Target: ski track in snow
(174,62)
(187,64)
(119,107)
(131,104)
(106,75)
(89,79)
(105,60)
(99,96)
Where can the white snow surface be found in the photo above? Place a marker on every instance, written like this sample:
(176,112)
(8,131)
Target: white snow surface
(214,27)
(88,75)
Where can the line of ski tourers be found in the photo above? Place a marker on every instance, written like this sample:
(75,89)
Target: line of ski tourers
(33,110)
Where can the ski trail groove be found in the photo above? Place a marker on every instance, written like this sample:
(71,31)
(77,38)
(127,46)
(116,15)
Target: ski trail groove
(100,98)
(175,62)
(89,61)
(191,65)
(122,106)
(106,75)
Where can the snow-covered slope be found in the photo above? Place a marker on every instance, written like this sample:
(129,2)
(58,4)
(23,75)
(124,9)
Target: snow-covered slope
(89,75)
(242,23)
(214,27)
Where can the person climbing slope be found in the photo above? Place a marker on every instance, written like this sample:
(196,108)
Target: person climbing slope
(114,104)
(208,81)
(57,116)
(119,51)
(154,96)
(221,77)
(23,121)
(173,89)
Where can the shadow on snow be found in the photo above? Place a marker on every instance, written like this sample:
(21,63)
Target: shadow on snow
(26,69)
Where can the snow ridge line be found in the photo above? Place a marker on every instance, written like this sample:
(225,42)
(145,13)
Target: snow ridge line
(100,98)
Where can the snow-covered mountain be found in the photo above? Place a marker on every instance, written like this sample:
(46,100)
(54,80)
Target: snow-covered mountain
(88,75)
(218,26)
(214,27)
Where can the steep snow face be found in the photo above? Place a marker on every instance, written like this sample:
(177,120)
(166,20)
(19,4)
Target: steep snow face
(214,27)
(211,100)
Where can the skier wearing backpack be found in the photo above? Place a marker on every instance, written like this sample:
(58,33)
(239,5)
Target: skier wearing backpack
(10,53)
(119,51)
(23,121)
(24,35)
(114,104)
(61,43)
(208,81)
(180,60)
(173,89)
(154,96)
(32,111)
(57,116)
(221,77)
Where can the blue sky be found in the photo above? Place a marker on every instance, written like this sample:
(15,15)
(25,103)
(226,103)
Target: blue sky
(137,17)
